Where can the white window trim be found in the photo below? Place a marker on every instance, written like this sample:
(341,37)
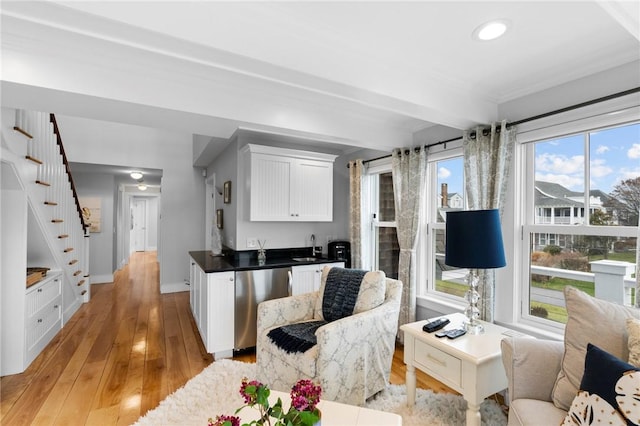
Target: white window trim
(613,113)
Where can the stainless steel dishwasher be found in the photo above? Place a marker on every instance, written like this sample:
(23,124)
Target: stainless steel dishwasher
(253,287)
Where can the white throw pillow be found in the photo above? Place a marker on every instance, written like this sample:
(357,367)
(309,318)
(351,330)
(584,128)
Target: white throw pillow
(590,320)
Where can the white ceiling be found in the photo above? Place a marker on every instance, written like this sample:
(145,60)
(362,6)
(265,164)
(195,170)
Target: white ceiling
(361,74)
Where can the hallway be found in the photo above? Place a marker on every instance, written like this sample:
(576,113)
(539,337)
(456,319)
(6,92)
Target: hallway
(117,357)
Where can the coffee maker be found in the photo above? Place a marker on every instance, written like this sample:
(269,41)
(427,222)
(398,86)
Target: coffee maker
(340,251)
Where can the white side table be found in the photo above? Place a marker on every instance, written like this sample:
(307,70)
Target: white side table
(471,364)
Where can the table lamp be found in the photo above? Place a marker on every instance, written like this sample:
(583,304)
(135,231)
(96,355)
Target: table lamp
(474,241)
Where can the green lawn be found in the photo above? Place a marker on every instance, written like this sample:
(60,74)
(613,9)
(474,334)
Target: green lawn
(451,288)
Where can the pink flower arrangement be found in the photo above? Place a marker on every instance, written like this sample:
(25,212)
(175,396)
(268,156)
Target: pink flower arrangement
(305,396)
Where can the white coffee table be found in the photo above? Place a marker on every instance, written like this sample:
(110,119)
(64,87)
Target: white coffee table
(334,413)
(471,364)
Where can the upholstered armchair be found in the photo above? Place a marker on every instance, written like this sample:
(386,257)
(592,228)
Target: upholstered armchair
(352,357)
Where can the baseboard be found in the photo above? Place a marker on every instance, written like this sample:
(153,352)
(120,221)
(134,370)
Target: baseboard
(71,309)
(173,287)
(101,279)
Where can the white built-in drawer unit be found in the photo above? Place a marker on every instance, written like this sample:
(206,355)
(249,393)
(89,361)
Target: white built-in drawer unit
(43,315)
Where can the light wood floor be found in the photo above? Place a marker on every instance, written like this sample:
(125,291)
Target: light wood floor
(120,355)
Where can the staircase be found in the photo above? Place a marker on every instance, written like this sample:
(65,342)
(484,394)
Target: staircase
(33,154)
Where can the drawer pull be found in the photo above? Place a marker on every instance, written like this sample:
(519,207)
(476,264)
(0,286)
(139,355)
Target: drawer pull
(39,320)
(56,306)
(39,290)
(436,360)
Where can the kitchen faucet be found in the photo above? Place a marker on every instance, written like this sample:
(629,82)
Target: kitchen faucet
(313,245)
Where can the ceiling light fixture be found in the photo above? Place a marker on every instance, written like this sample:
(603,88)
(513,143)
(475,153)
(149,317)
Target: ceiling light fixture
(136,175)
(141,185)
(491,30)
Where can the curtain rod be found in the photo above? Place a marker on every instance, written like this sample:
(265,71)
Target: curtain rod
(525,120)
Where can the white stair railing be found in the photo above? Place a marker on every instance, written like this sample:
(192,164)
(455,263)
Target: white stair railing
(55,202)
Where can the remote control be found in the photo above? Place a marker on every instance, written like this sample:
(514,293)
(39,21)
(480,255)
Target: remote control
(454,334)
(435,325)
(441,333)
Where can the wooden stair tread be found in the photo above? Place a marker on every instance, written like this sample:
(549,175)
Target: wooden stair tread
(57,220)
(63,236)
(68,249)
(83,292)
(39,182)
(72,262)
(24,132)
(80,283)
(50,203)
(33,159)
(76,273)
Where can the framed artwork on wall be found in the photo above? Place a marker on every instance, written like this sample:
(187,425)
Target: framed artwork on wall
(219,218)
(91,214)
(227,192)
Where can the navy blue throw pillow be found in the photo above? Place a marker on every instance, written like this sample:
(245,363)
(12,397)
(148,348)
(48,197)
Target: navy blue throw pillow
(609,392)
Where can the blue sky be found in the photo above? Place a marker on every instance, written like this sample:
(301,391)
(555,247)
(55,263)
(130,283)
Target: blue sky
(614,152)
(615,156)
(451,173)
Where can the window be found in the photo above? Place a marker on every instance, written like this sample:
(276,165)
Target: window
(583,195)
(385,249)
(446,184)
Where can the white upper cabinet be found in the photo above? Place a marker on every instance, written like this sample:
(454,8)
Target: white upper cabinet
(289,185)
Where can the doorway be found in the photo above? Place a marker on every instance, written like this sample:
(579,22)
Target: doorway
(138,224)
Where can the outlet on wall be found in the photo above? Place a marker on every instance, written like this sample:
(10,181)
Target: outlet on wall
(252,242)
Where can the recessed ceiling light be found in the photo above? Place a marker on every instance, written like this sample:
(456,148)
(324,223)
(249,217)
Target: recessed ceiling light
(491,30)
(142,186)
(136,175)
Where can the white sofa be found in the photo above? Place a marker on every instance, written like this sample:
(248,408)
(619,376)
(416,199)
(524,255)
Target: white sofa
(544,376)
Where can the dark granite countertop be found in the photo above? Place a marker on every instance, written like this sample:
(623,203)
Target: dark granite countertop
(248,260)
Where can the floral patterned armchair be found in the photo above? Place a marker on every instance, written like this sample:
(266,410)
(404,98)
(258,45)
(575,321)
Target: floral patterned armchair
(352,357)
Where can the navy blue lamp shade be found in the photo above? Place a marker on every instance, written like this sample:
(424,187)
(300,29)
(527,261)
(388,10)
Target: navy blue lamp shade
(474,240)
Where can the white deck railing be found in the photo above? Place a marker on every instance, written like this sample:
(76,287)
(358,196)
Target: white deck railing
(612,281)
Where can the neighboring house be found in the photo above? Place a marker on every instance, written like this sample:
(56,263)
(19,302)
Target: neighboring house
(557,205)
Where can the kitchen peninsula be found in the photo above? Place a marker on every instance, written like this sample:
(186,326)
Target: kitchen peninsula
(226,290)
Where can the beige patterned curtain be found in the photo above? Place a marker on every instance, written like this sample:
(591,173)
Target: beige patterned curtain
(638,266)
(408,169)
(487,161)
(355,219)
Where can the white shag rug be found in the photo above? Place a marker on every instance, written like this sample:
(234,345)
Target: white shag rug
(215,391)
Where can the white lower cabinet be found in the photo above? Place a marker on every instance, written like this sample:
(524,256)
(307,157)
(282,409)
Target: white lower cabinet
(306,278)
(38,318)
(212,297)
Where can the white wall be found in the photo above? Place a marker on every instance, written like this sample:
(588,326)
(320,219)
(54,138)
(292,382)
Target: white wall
(238,227)
(99,185)
(182,206)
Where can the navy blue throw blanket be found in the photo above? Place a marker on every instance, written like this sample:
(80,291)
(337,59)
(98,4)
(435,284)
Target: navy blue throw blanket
(339,298)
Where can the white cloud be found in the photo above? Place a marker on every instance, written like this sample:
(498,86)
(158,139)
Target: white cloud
(602,149)
(560,164)
(600,169)
(629,174)
(443,173)
(634,151)
(574,183)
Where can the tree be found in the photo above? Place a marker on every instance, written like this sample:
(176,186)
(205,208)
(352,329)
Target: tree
(627,193)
